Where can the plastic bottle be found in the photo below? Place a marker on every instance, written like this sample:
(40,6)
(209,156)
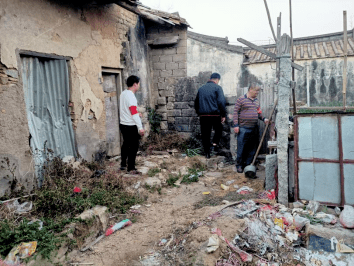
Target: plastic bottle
(118,226)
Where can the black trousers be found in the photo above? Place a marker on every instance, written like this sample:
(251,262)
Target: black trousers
(207,123)
(247,143)
(130,145)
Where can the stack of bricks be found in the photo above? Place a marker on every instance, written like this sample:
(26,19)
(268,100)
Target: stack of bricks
(169,68)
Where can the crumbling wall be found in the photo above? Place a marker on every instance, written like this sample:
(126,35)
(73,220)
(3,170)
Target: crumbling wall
(91,37)
(168,64)
(202,57)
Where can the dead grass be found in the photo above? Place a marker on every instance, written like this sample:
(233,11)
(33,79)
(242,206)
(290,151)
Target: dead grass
(163,142)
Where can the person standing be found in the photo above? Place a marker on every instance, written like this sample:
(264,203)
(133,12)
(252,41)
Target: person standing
(210,106)
(247,112)
(130,124)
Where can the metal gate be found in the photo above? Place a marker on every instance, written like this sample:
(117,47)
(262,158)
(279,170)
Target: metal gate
(324,158)
(46,89)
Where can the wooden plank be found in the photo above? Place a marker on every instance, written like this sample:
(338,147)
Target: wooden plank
(270,20)
(318,53)
(264,51)
(301,51)
(259,57)
(335,48)
(345,52)
(166,40)
(325,48)
(309,52)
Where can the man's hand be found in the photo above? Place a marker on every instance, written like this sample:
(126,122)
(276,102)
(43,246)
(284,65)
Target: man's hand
(266,121)
(223,120)
(140,115)
(141,132)
(236,130)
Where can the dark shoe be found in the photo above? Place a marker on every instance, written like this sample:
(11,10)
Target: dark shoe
(134,172)
(123,168)
(207,155)
(239,169)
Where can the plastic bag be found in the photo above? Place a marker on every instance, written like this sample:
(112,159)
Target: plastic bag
(300,222)
(346,217)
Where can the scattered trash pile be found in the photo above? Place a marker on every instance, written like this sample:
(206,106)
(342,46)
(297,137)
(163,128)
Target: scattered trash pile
(271,235)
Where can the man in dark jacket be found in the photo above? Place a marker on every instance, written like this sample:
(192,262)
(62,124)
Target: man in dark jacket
(210,106)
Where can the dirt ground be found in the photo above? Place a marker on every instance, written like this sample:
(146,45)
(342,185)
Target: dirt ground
(169,214)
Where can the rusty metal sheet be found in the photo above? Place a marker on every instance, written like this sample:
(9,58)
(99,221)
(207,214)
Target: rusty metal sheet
(316,131)
(347,137)
(320,182)
(349,183)
(46,90)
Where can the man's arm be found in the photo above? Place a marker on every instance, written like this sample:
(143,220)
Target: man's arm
(135,115)
(260,116)
(236,115)
(221,102)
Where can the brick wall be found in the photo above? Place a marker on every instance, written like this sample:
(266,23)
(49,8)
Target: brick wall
(169,70)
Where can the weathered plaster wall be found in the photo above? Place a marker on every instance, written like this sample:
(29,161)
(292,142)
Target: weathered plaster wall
(202,57)
(168,64)
(93,38)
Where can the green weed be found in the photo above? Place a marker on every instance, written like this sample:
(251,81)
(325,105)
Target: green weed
(153,171)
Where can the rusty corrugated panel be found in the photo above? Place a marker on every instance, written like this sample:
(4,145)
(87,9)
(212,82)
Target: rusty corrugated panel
(46,87)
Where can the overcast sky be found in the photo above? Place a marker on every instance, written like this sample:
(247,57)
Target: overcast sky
(248,18)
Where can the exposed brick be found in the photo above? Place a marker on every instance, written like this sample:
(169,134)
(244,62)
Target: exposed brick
(161,109)
(170,113)
(164,125)
(170,92)
(170,119)
(165,73)
(162,93)
(179,73)
(183,128)
(161,101)
(170,106)
(183,35)
(155,58)
(164,116)
(179,58)
(171,99)
(188,112)
(177,113)
(170,51)
(191,104)
(161,85)
(160,66)
(156,51)
(182,50)
(161,80)
(3,80)
(166,58)
(181,105)
(182,120)
(182,65)
(171,66)
(182,43)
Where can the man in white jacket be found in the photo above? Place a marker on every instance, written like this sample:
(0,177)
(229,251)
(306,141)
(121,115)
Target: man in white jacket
(130,124)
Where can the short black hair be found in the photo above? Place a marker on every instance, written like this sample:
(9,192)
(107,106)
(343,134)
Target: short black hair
(215,76)
(132,80)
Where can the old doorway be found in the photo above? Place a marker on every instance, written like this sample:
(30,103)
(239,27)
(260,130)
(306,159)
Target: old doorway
(47,93)
(112,88)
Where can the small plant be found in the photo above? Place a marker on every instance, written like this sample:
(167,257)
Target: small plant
(172,179)
(163,165)
(153,171)
(154,120)
(193,152)
(152,189)
(193,173)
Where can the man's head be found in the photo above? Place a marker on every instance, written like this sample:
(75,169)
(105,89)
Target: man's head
(253,91)
(215,77)
(133,83)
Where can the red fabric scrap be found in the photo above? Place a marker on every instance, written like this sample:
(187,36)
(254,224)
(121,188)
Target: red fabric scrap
(77,190)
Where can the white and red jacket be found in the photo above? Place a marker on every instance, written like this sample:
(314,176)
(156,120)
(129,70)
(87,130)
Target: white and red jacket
(128,112)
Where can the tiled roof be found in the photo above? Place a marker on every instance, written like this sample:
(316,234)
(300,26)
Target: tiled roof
(315,47)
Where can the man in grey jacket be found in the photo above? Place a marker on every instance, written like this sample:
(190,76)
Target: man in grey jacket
(210,106)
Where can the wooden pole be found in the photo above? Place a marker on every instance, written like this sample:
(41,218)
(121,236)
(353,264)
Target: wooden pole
(270,20)
(292,58)
(345,59)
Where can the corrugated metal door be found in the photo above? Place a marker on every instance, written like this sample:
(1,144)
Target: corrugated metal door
(46,87)
(324,158)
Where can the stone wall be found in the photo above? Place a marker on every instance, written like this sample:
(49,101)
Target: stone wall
(168,65)
(92,38)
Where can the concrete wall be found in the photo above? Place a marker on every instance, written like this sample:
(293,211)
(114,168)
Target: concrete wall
(203,57)
(93,38)
(168,65)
